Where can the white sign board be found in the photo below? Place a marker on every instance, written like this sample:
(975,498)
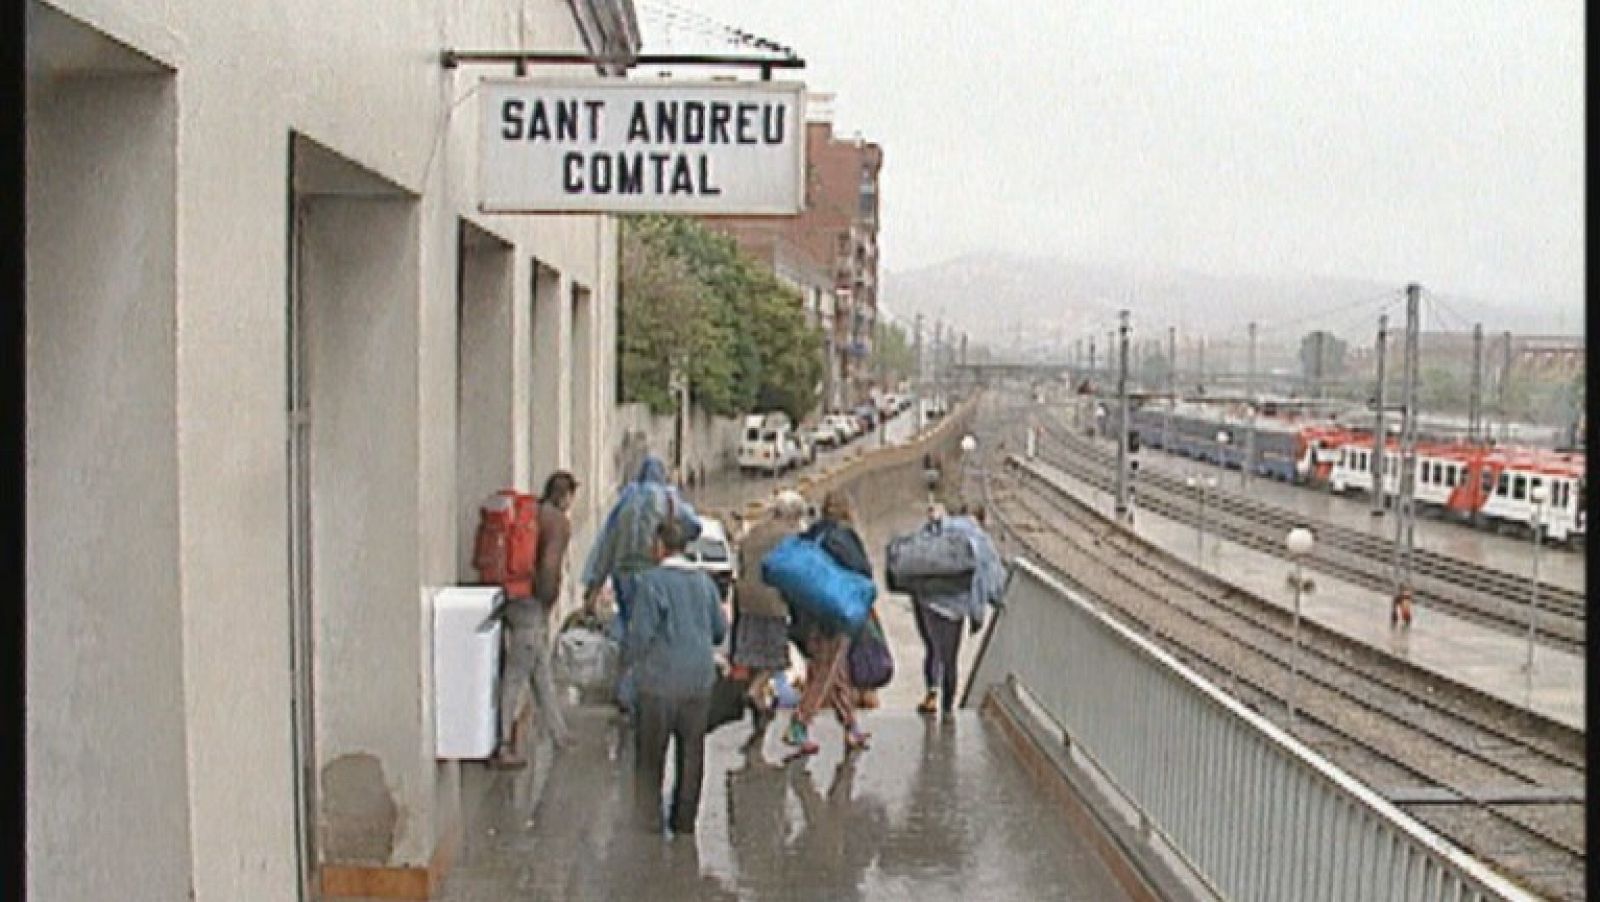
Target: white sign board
(625,147)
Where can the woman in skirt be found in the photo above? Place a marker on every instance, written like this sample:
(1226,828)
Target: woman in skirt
(760,615)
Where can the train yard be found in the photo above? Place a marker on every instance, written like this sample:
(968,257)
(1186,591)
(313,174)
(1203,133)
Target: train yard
(1469,590)
(1500,782)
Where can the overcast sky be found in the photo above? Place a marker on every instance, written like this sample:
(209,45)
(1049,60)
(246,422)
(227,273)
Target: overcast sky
(1442,143)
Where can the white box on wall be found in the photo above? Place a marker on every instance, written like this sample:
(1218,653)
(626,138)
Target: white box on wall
(466,671)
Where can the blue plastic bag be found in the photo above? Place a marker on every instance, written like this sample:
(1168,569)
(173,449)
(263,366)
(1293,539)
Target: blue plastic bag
(812,581)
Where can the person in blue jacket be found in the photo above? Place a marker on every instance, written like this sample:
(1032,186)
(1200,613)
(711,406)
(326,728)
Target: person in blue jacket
(677,621)
(623,550)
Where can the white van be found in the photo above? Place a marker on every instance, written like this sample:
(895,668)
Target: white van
(765,447)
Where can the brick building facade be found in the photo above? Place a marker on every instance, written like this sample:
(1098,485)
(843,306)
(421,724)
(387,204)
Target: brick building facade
(829,252)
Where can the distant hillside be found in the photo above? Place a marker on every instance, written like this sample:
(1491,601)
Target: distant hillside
(1005,300)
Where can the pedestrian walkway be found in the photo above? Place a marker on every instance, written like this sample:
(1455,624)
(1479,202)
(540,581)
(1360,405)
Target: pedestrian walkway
(1485,659)
(935,810)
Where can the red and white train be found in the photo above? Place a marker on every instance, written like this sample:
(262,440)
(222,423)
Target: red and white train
(1489,486)
(1483,485)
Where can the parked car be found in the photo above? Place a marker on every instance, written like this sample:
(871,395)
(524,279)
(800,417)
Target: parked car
(845,426)
(712,553)
(824,434)
(765,447)
(867,415)
(802,450)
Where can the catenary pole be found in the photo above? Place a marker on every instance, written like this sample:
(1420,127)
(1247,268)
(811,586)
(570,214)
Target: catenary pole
(1505,388)
(1475,400)
(1379,431)
(1247,466)
(1405,521)
(1172,387)
(1122,415)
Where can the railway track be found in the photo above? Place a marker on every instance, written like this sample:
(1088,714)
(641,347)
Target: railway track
(1471,768)
(1473,592)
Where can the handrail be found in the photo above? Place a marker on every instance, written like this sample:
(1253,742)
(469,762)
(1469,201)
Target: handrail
(1254,812)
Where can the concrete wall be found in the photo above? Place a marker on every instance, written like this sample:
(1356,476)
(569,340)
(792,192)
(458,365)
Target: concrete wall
(359,276)
(179,434)
(485,408)
(713,442)
(107,801)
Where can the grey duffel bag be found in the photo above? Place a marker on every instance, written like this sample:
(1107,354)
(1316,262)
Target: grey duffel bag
(930,561)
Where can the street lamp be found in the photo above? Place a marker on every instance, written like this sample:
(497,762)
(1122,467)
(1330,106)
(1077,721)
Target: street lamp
(1222,445)
(1299,542)
(1536,494)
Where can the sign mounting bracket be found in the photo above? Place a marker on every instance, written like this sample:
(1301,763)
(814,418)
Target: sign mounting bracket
(521,60)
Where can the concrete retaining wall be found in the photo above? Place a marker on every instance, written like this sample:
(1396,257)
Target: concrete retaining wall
(712,442)
(884,478)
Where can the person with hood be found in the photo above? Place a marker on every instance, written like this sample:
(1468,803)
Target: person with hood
(826,649)
(760,615)
(939,616)
(623,550)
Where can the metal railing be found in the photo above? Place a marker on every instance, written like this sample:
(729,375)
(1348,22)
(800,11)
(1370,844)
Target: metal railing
(1250,810)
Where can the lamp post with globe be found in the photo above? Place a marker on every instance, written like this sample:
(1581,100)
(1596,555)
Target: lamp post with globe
(1536,494)
(1200,485)
(1299,542)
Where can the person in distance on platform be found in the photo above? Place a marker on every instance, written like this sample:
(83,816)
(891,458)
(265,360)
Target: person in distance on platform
(939,617)
(1400,609)
(760,615)
(675,625)
(527,625)
(826,650)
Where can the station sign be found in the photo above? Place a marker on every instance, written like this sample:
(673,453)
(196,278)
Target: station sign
(597,146)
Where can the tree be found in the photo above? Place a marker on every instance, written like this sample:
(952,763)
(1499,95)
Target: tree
(665,317)
(691,299)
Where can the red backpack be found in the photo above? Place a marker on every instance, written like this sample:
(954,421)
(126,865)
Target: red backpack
(507,543)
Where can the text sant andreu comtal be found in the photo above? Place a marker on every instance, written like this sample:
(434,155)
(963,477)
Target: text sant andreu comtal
(661,124)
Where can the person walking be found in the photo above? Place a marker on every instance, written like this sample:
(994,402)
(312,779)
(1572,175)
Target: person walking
(623,549)
(1400,608)
(939,616)
(527,624)
(676,623)
(825,648)
(760,615)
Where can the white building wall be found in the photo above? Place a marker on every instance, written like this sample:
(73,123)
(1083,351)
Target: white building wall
(105,679)
(364,82)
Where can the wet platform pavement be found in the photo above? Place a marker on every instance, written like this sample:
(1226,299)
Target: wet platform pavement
(935,810)
(1485,659)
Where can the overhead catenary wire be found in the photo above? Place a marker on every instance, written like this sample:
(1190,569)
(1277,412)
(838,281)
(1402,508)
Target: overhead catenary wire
(674,15)
(1371,305)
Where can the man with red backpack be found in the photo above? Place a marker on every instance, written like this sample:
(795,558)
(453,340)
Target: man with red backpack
(526,616)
